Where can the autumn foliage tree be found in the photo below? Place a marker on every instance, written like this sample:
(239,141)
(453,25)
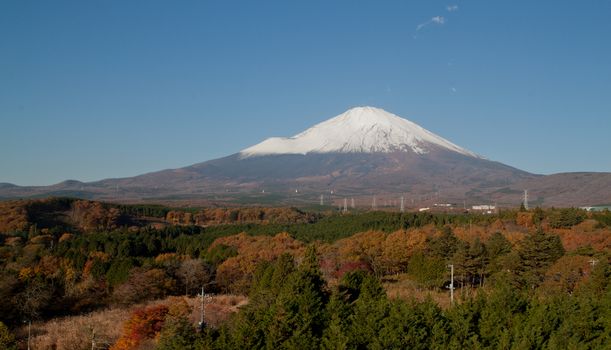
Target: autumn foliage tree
(89,215)
(235,273)
(142,285)
(177,332)
(144,323)
(399,247)
(566,275)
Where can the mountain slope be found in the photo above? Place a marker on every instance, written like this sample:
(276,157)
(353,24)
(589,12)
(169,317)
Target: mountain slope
(363,152)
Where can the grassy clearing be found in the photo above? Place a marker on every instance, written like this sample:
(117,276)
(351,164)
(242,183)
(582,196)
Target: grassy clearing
(105,326)
(400,286)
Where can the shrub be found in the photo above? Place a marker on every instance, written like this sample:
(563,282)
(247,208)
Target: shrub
(7,340)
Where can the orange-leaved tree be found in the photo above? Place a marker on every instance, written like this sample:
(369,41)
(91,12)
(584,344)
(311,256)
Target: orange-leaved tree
(144,323)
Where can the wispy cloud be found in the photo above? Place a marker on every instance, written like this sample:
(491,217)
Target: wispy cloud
(452,8)
(438,20)
(435,20)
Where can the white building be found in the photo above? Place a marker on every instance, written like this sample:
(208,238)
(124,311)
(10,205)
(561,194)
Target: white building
(483,207)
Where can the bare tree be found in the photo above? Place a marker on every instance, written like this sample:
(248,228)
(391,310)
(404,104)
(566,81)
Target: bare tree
(192,274)
(143,285)
(35,296)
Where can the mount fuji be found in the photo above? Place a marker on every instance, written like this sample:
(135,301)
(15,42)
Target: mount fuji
(363,152)
(358,130)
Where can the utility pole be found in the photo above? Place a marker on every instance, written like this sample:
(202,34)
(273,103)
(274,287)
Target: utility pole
(322,199)
(29,332)
(202,311)
(526,199)
(345,205)
(92,338)
(451,266)
(402,204)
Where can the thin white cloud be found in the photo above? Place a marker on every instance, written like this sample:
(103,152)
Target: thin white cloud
(435,20)
(452,8)
(438,20)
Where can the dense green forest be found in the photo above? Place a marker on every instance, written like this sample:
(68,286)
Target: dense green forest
(292,307)
(524,279)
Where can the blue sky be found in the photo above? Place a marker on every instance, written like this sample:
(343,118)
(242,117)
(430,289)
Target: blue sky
(98,89)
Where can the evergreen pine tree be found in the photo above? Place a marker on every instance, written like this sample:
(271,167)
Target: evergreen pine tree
(443,246)
(369,310)
(429,271)
(537,252)
(338,310)
(497,245)
(298,318)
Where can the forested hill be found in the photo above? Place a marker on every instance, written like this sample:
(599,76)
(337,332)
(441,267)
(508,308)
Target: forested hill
(71,214)
(525,279)
(62,214)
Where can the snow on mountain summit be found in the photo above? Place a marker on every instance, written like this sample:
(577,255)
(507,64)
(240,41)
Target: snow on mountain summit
(358,130)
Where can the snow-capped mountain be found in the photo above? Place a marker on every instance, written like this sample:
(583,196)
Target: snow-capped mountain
(358,130)
(362,152)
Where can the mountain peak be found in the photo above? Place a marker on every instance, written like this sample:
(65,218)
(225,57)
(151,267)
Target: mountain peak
(367,115)
(358,130)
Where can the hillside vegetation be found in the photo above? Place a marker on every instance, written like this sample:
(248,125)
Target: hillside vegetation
(523,279)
